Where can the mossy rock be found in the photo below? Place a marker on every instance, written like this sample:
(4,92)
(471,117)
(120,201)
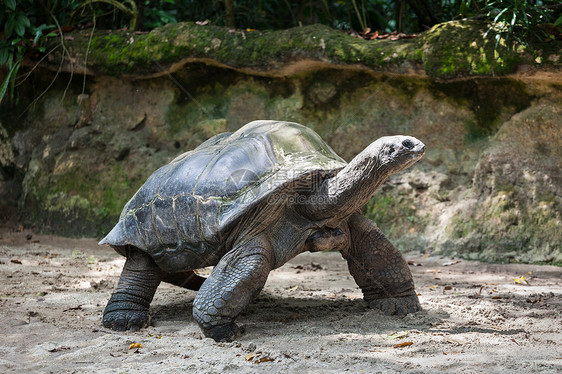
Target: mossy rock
(446,51)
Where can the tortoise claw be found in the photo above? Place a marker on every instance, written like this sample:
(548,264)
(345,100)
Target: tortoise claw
(223,333)
(120,320)
(399,306)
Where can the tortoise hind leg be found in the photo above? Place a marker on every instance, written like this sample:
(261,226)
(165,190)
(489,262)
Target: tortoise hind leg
(127,309)
(379,269)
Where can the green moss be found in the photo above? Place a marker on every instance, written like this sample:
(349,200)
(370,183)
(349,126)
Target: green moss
(395,214)
(181,117)
(448,50)
(506,229)
(459,48)
(73,203)
(460,226)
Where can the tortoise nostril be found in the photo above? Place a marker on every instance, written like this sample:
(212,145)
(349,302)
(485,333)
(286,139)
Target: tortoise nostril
(408,144)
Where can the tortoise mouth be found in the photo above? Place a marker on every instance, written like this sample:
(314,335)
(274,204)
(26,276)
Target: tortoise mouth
(408,157)
(411,149)
(414,153)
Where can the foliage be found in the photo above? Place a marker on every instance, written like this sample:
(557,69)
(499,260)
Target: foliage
(27,24)
(19,37)
(517,20)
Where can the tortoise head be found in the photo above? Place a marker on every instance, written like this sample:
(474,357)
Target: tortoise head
(353,186)
(396,153)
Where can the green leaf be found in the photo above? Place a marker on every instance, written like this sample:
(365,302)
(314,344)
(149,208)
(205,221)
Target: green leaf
(500,14)
(4,52)
(7,80)
(558,22)
(513,19)
(465,5)
(19,28)
(22,18)
(9,28)
(11,4)
(38,34)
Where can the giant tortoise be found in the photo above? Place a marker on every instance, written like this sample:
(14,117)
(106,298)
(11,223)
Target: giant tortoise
(246,203)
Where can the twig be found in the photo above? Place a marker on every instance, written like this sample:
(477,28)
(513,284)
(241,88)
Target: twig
(24,77)
(65,53)
(88,48)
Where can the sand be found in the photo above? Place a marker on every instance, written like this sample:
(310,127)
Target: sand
(310,318)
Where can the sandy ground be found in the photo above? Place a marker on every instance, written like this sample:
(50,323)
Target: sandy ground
(310,318)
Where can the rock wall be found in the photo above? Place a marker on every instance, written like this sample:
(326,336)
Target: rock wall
(489,187)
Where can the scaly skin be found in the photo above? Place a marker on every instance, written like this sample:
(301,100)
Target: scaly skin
(235,281)
(127,308)
(379,269)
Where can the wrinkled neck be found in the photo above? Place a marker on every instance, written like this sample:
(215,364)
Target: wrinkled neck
(350,189)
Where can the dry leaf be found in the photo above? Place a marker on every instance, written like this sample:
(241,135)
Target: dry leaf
(452,262)
(396,335)
(256,359)
(135,345)
(404,344)
(263,359)
(520,280)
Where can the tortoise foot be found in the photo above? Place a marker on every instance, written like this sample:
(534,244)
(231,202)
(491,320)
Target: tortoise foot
(123,320)
(223,333)
(396,305)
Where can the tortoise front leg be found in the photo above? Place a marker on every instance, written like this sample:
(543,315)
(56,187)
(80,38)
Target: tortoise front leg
(234,282)
(379,269)
(127,308)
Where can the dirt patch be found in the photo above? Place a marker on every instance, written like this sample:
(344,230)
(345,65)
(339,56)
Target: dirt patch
(309,318)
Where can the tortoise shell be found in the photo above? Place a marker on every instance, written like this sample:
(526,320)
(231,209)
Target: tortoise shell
(188,206)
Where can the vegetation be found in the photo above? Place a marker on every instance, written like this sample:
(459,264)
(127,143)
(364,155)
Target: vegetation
(27,24)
